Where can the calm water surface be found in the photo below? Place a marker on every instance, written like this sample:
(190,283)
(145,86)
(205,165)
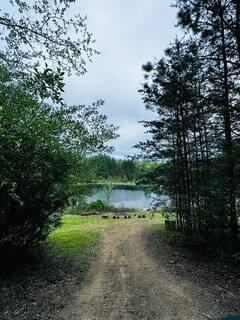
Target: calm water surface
(124,196)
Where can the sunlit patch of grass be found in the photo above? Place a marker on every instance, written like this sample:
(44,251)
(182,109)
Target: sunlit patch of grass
(77,235)
(75,243)
(159,221)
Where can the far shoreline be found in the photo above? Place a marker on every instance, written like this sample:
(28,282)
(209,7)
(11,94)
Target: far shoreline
(115,183)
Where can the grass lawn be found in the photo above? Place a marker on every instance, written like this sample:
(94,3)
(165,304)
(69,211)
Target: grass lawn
(75,242)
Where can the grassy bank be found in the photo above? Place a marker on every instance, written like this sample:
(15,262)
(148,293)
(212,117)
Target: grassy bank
(112,182)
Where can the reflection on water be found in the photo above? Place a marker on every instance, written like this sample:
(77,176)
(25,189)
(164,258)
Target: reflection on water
(124,196)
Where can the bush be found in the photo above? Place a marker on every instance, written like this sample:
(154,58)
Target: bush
(42,161)
(97,205)
(34,165)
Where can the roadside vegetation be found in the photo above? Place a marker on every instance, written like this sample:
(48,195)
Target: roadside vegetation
(45,144)
(193,92)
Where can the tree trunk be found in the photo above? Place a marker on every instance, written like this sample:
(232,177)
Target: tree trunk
(228,136)
(238,27)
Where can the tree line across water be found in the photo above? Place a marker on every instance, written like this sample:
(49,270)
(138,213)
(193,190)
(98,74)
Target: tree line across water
(194,92)
(109,168)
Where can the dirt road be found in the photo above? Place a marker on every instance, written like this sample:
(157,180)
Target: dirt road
(129,281)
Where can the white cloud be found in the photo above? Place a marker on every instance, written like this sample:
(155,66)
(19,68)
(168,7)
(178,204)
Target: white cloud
(128,33)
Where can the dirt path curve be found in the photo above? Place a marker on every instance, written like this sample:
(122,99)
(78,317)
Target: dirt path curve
(127,282)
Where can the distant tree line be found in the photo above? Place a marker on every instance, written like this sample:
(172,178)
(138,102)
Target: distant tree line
(194,90)
(121,170)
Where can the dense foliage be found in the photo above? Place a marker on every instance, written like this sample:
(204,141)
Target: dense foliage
(97,206)
(194,91)
(44,148)
(108,168)
(42,161)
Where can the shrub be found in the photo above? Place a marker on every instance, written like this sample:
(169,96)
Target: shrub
(34,165)
(41,161)
(97,205)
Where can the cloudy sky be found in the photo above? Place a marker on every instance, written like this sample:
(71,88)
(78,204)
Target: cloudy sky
(128,33)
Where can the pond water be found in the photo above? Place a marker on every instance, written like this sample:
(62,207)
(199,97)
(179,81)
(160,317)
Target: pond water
(125,196)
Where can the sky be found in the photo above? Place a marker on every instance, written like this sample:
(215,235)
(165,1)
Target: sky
(128,33)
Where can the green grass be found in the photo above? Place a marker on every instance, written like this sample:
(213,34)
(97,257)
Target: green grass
(75,243)
(77,235)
